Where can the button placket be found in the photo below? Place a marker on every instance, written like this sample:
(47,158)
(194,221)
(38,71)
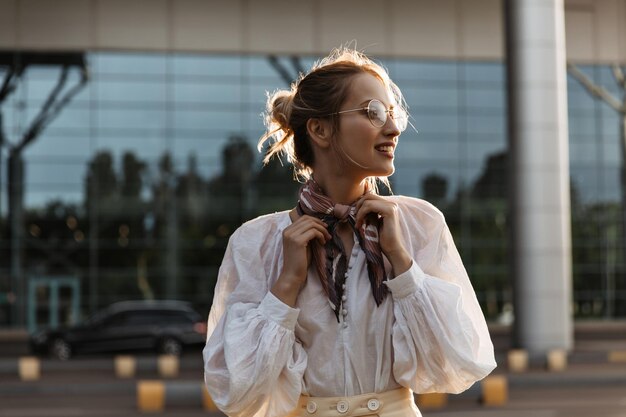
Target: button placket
(344,312)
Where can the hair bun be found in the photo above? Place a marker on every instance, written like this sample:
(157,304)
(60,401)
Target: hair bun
(280,106)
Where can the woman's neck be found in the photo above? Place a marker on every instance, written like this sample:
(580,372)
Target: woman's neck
(340,190)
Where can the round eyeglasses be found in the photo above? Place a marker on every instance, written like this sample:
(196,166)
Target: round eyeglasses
(377,113)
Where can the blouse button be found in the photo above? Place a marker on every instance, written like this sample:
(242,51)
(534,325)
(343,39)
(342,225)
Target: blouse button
(373,404)
(311,407)
(344,298)
(343,286)
(344,312)
(343,406)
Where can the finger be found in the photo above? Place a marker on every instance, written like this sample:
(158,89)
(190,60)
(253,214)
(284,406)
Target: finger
(313,223)
(305,223)
(322,229)
(308,217)
(364,198)
(306,227)
(305,219)
(366,208)
(309,235)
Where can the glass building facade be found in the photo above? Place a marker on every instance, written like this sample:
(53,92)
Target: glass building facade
(131,189)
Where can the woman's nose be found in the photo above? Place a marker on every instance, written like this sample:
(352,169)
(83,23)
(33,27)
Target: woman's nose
(391,127)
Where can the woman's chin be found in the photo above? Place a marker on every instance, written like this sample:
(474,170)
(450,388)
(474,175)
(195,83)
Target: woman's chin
(378,170)
(387,172)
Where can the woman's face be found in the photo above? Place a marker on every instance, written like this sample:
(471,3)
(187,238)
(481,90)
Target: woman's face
(370,149)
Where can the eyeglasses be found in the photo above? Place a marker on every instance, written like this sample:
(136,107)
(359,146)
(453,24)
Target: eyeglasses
(377,113)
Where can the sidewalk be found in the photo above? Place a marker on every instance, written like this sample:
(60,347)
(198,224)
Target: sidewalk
(85,383)
(90,388)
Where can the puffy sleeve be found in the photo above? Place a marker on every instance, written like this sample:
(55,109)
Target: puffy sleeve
(440,337)
(253,364)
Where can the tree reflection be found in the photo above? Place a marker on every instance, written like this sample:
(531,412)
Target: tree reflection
(168,241)
(477,218)
(435,188)
(161,232)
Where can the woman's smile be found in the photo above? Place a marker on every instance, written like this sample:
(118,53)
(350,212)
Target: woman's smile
(387,149)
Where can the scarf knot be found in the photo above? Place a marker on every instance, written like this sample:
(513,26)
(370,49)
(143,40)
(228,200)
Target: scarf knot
(341,212)
(330,260)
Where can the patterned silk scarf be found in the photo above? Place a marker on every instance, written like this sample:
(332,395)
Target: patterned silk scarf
(331,260)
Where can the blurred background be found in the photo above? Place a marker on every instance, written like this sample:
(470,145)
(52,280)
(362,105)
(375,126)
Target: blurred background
(128,134)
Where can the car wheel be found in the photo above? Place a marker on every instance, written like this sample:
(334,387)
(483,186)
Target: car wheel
(171,346)
(60,349)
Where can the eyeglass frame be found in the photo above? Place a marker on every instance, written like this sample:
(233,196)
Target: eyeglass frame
(387,114)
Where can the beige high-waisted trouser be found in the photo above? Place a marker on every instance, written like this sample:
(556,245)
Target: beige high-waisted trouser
(395,403)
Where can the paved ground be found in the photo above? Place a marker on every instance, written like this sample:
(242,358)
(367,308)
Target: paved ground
(584,401)
(589,390)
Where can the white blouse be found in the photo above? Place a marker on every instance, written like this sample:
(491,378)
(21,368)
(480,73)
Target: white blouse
(429,334)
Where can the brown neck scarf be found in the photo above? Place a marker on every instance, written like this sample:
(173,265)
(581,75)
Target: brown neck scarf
(331,260)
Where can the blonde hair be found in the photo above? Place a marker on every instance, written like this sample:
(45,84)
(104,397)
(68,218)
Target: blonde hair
(318,94)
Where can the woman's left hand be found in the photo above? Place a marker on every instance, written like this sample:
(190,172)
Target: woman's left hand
(389,234)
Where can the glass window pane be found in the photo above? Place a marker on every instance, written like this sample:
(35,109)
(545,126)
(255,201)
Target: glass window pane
(434,71)
(130,63)
(206,66)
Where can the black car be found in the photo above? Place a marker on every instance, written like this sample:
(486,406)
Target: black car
(162,326)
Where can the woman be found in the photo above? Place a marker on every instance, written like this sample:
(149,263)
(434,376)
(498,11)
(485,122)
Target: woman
(351,301)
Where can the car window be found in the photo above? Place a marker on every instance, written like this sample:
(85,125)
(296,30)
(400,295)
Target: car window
(116,319)
(174,317)
(137,318)
(164,317)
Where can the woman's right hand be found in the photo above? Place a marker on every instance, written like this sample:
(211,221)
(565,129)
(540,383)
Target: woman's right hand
(297,256)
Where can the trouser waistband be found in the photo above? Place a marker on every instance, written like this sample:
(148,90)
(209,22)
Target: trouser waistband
(394,403)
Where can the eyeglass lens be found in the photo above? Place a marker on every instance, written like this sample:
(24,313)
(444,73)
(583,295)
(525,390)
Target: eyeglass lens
(377,114)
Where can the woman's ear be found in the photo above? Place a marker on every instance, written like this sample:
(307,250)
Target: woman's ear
(319,131)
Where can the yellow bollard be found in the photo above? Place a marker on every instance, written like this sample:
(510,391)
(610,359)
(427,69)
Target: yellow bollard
(517,360)
(431,400)
(29,368)
(150,396)
(168,366)
(125,366)
(617,356)
(495,390)
(207,401)
(557,360)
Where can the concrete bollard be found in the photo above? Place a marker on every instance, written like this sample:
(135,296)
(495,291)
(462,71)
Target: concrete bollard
(168,366)
(495,390)
(557,360)
(517,360)
(150,396)
(617,356)
(29,368)
(125,366)
(157,395)
(431,400)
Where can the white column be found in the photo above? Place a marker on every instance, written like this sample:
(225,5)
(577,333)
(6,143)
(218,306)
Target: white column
(540,197)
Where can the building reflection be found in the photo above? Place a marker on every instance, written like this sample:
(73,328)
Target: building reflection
(134,188)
